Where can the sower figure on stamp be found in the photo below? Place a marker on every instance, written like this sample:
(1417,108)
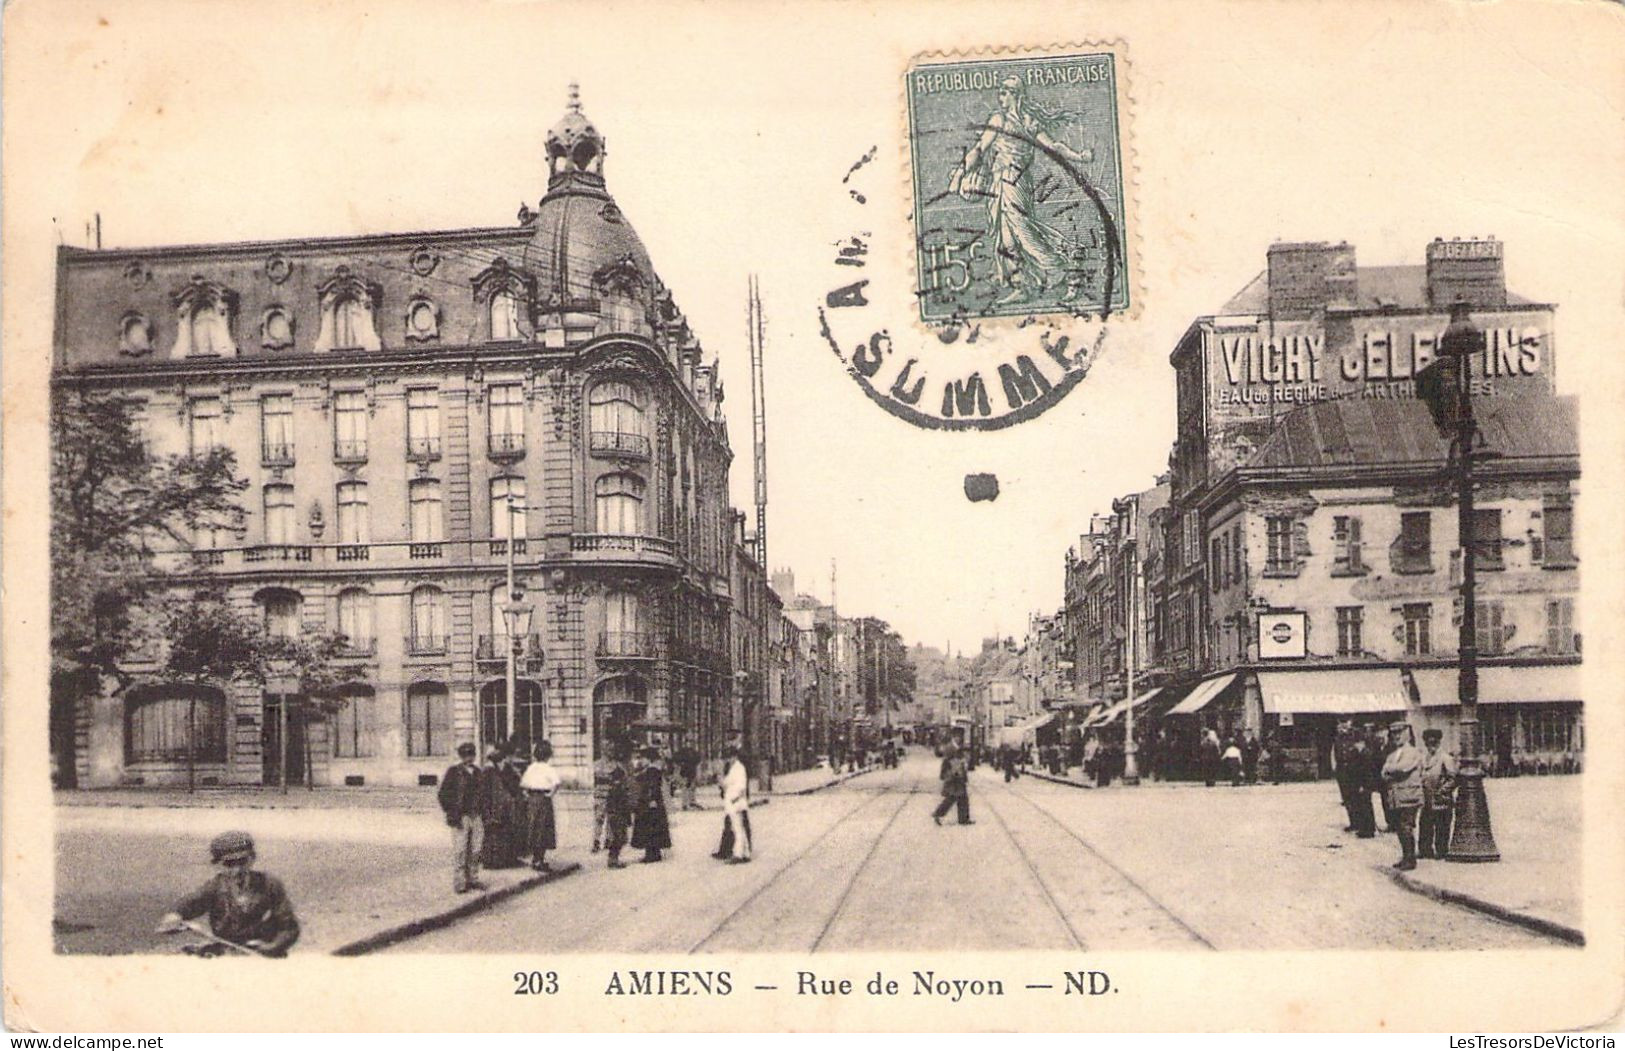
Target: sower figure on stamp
(248,910)
(999,167)
(955,785)
(464,793)
(1438,797)
(1402,775)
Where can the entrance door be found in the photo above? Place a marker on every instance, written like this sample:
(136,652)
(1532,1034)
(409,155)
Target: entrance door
(271,750)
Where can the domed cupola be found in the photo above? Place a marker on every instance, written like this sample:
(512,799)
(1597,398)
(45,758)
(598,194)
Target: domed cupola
(592,273)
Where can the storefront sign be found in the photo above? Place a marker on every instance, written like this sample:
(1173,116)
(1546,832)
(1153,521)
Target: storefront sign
(1281,636)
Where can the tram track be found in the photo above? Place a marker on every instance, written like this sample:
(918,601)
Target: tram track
(846,892)
(1078,941)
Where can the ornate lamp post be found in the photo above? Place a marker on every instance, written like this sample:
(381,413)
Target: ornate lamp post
(1447,387)
(516,614)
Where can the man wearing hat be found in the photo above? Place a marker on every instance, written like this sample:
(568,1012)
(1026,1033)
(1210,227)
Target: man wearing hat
(955,785)
(465,796)
(1438,797)
(246,907)
(1402,777)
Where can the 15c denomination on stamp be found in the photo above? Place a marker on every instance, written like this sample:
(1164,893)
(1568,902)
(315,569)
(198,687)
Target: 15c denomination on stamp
(1018,181)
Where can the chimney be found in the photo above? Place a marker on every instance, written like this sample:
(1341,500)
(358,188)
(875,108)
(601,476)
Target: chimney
(1309,276)
(1472,269)
(784,583)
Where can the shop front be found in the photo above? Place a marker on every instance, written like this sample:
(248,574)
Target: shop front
(1299,711)
(1531,717)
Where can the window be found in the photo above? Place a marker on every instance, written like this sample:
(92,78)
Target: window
(507,519)
(279,527)
(1557,525)
(1487,538)
(1216,570)
(352,324)
(423,422)
(1418,628)
(352,725)
(1280,557)
(428,524)
(507,419)
(621,612)
(355,618)
(617,419)
(208,326)
(282,613)
(353,517)
(1560,636)
(1235,553)
(428,620)
(1346,557)
(276,428)
(1349,620)
(349,425)
(619,504)
(428,720)
(505,316)
(205,426)
(1412,551)
(169,723)
(1491,631)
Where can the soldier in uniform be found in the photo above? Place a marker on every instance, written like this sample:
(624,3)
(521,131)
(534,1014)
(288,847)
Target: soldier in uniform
(245,907)
(1402,777)
(1438,797)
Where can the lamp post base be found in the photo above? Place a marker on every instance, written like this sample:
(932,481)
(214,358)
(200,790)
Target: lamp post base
(1131,770)
(1471,838)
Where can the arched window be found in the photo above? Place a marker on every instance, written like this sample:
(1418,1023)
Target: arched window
(428,620)
(282,612)
(428,720)
(508,520)
(617,419)
(505,316)
(170,723)
(619,504)
(355,618)
(351,319)
(354,725)
(428,525)
(353,517)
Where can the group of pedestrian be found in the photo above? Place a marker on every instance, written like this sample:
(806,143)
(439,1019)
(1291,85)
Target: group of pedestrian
(1235,757)
(500,812)
(1415,786)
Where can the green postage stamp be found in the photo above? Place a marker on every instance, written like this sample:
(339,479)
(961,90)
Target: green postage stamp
(1018,182)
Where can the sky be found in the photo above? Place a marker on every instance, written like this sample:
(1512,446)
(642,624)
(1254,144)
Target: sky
(729,130)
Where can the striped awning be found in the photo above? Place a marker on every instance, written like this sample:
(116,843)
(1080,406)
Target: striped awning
(1111,714)
(1204,693)
(1359,691)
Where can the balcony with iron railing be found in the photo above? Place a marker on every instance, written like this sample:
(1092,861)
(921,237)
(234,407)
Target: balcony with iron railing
(496,647)
(507,446)
(357,647)
(423,448)
(425,645)
(350,451)
(276,454)
(631,645)
(620,443)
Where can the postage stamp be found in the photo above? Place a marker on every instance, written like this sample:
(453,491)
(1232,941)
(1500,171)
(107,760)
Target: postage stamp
(1018,182)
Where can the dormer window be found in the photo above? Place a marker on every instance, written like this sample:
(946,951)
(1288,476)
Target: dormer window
(349,309)
(203,315)
(502,295)
(504,316)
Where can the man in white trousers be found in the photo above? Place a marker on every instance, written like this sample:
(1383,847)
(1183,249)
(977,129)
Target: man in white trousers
(735,785)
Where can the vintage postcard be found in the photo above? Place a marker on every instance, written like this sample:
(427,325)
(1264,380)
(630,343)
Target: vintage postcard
(812,517)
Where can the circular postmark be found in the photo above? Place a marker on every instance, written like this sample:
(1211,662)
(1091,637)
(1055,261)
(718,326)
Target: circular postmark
(1019,246)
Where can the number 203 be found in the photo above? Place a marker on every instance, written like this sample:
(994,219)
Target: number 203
(535,983)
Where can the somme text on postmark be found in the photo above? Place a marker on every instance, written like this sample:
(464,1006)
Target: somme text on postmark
(1018,239)
(1016,167)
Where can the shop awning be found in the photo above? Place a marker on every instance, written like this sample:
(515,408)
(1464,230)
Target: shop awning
(1116,710)
(1361,691)
(1204,693)
(1499,684)
(1024,730)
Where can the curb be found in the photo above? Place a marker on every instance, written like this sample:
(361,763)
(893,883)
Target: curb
(827,784)
(1550,928)
(412,928)
(1056,780)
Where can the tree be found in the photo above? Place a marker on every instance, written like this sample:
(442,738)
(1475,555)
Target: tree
(114,505)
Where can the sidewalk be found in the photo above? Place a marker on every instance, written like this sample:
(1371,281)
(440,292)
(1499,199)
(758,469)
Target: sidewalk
(805,782)
(1536,823)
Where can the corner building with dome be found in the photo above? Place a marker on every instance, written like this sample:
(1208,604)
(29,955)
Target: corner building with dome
(389,398)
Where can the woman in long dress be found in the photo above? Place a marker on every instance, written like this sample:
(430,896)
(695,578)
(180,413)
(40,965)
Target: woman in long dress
(503,812)
(651,832)
(540,781)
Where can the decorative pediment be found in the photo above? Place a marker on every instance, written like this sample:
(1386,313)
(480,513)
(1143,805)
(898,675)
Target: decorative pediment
(346,285)
(622,277)
(502,276)
(204,312)
(349,312)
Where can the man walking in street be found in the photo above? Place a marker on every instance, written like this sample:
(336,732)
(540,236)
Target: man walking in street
(1210,756)
(463,798)
(688,768)
(955,785)
(1402,775)
(735,785)
(1438,797)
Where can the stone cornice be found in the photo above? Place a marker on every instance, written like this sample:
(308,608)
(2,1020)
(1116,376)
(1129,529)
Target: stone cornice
(68,255)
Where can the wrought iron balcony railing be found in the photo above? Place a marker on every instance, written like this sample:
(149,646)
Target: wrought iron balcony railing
(638,644)
(620,443)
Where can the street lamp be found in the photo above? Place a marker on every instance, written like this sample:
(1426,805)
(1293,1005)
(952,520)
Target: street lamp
(516,615)
(1446,385)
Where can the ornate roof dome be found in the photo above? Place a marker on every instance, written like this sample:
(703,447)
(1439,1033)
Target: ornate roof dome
(583,249)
